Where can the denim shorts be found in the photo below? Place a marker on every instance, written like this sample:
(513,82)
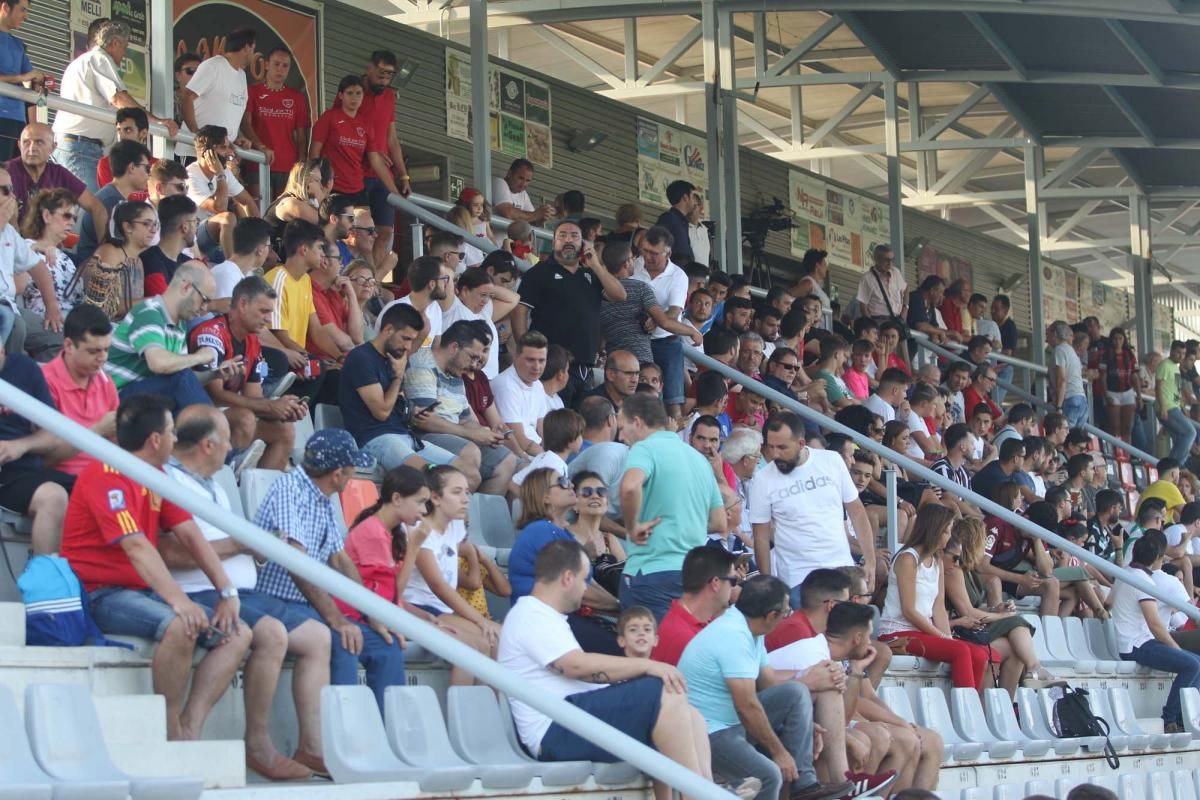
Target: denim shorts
(491,457)
(255,605)
(210,247)
(382,213)
(393,449)
(139,612)
(631,707)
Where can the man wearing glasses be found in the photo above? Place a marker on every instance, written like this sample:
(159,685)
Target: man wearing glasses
(336,301)
(379,111)
(149,352)
(360,243)
(177,231)
(130,162)
(132,126)
(983,381)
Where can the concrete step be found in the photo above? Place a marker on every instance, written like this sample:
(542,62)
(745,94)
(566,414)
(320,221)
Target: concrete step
(132,718)
(220,763)
(12,624)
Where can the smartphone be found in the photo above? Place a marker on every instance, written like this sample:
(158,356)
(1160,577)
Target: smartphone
(508,433)
(428,408)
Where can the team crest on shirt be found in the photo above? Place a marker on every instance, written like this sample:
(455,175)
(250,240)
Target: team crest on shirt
(287,103)
(116,500)
(361,131)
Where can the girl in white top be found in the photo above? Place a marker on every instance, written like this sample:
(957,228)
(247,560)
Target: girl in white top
(1142,636)
(914,611)
(433,586)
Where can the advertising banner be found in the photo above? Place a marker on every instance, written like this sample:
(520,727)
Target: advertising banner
(667,153)
(520,110)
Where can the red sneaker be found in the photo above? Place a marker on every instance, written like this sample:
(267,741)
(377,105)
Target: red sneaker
(867,784)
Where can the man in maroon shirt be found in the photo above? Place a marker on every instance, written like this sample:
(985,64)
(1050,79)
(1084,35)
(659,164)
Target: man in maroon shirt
(708,581)
(379,109)
(280,118)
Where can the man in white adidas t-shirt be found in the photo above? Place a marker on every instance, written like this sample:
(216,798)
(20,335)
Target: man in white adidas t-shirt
(800,496)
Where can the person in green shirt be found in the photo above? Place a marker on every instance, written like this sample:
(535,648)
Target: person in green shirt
(1166,393)
(670,502)
(834,353)
(149,352)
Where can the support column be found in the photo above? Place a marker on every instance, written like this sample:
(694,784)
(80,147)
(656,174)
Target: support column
(915,129)
(1139,265)
(712,124)
(731,190)
(1034,168)
(481,151)
(162,73)
(891,149)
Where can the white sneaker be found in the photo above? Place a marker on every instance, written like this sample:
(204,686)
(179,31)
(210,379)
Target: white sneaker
(747,789)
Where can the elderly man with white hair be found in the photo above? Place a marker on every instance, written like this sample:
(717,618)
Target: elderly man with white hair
(1066,376)
(741,451)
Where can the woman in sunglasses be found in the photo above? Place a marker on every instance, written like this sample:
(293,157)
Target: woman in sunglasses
(546,500)
(604,549)
(114,277)
(48,221)
(308,184)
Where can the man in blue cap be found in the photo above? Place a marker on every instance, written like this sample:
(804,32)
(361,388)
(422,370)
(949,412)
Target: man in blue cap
(299,508)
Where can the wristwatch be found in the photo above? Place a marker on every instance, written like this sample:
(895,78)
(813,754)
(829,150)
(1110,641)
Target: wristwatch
(229,592)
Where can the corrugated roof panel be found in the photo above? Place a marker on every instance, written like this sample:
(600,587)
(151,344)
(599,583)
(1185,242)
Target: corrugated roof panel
(1170,113)
(930,40)
(1175,48)
(1059,110)
(1163,167)
(1063,44)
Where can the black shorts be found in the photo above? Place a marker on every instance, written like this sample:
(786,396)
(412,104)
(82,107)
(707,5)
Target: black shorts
(17,486)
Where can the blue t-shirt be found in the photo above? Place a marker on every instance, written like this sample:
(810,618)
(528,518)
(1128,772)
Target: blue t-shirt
(530,541)
(22,372)
(724,649)
(988,478)
(364,366)
(13,61)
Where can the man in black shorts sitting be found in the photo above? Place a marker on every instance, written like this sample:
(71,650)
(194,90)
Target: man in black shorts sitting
(26,485)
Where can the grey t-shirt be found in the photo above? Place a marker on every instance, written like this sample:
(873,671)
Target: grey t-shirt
(620,321)
(607,460)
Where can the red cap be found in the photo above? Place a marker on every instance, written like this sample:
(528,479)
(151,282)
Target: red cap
(467,195)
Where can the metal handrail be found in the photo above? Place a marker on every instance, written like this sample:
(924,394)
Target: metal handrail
(60,103)
(375,607)
(411,206)
(1140,582)
(995,356)
(434,204)
(941,350)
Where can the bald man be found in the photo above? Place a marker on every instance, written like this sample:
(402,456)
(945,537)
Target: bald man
(201,445)
(149,347)
(33,171)
(621,373)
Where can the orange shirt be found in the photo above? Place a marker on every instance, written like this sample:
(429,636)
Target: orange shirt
(87,406)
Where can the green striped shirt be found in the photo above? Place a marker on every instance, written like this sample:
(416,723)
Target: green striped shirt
(146,326)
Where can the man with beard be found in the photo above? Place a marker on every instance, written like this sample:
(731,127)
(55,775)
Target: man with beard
(800,491)
(378,110)
(149,347)
(739,314)
(561,298)
(177,231)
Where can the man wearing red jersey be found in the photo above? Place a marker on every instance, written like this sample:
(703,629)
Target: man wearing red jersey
(708,581)
(235,336)
(279,116)
(379,108)
(110,538)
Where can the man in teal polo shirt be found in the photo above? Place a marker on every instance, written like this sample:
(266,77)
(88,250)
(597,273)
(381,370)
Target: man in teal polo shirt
(670,502)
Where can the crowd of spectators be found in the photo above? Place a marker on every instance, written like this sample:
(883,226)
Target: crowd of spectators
(694,562)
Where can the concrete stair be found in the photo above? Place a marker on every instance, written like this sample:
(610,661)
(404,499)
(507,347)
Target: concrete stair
(12,624)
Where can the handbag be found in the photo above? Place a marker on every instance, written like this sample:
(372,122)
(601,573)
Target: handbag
(1073,718)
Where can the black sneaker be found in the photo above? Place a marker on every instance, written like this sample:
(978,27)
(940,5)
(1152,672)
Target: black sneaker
(822,791)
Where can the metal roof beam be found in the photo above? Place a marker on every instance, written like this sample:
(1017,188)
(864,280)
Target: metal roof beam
(671,56)
(956,178)
(997,43)
(578,56)
(1135,119)
(805,46)
(1071,166)
(955,114)
(1017,112)
(1136,50)
(868,39)
(864,94)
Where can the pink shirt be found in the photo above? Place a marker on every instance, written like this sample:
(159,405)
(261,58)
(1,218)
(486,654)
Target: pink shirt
(86,406)
(369,546)
(858,383)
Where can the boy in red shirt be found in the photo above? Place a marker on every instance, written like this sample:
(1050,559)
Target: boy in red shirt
(279,116)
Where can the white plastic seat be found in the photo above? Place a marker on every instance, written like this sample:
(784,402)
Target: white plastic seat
(355,742)
(1110,782)
(1104,644)
(1189,698)
(416,731)
(327,416)
(1062,786)
(1077,641)
(1132,786)
(1159,786)
(606,774)
(255,485)
(1094,744)
(974,793)
(66,739)
(304,431)
(1035,725)
(896,698)
(225,478)
(1002,721)
(1183,785)
(1060,651)
(489,521)
(477,732)
(969,719)
(1008,791)
(20,776)
(1123,717)
(902,664)
(1101,708)
(933,712)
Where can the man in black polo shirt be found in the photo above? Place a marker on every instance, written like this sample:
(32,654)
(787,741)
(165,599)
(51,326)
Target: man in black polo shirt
(560,297)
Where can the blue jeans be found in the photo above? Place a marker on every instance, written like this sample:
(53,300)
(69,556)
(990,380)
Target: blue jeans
(182,387)
(651,590)
(384,662)
(1185,665)
(1075,409)
(789,710)
(1183,433)
(8,318)
(668,354)
(81,159)
(393,449)
(1141,436)
(1005,373)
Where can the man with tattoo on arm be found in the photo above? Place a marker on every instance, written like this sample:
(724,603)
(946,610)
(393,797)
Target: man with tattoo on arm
(649,700)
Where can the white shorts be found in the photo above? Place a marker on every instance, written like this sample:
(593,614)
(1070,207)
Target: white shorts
(1125,398)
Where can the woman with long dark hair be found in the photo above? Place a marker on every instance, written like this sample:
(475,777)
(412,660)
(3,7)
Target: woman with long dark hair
(1117,363)
(114,277)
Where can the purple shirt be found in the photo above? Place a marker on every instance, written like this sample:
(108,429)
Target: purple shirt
(54,176)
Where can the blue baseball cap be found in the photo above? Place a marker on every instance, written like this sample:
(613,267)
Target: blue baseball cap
(333,448)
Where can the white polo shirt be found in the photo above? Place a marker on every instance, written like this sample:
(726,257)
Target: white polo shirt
(520,402)
(670,289)
(91,79)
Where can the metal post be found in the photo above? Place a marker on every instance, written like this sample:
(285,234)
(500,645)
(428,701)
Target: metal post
(406,205)
(1033,177)
(731,202)
(891,146)
(893,511)
(1140,266)
(712,124)
(914,134)
(162,75)
(481,151)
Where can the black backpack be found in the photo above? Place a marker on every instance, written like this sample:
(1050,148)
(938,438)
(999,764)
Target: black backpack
(1073,718)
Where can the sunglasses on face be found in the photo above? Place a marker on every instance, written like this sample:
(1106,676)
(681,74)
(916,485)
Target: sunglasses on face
(565,483)
(593,491)
(369,230)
